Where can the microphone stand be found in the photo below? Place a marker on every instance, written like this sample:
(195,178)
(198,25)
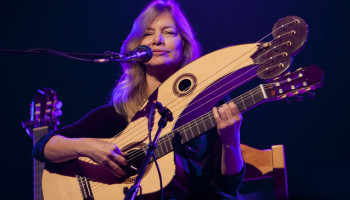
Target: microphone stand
(166,116)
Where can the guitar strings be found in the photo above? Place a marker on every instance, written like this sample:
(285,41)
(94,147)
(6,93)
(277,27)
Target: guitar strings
(248,51)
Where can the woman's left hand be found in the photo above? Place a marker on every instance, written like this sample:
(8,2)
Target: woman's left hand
(228,120)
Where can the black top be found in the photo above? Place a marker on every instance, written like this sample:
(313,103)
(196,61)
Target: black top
(201,156)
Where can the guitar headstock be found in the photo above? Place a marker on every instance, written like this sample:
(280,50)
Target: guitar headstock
(291,84)
(44,110)
(275,57)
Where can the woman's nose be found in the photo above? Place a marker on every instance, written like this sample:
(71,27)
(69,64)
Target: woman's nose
(158,39)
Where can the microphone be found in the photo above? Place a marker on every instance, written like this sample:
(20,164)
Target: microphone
(141,54)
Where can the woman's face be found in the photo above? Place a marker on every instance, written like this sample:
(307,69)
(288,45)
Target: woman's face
(166,43)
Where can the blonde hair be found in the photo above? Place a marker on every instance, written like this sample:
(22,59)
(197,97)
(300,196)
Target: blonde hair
(131,91)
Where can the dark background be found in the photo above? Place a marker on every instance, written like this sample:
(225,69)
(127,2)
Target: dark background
(313,131)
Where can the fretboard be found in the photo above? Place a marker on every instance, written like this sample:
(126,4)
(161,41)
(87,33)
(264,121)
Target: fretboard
(206,122)
(38,166)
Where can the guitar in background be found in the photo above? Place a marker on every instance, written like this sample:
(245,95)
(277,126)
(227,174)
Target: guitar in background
(44,113)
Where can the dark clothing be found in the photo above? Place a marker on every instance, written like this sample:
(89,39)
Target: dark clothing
(201,156)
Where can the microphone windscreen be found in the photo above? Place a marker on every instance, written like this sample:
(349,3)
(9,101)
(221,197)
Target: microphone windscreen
(148,50)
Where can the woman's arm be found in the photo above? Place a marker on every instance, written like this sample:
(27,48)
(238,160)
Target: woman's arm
(80,140)
(228,119)
(60,149)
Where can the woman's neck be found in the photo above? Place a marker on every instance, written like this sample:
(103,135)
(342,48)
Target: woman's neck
(156,76)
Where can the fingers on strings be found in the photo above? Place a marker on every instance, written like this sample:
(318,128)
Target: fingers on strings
(227,113)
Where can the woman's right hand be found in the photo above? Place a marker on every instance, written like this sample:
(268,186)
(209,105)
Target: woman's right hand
(106,154)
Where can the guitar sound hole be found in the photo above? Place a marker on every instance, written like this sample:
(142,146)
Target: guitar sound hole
(184,85)
(134,158)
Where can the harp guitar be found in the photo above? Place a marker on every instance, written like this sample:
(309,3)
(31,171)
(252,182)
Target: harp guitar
(188,94)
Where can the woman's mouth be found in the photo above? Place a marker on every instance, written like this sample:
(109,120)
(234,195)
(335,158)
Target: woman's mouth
(160,53)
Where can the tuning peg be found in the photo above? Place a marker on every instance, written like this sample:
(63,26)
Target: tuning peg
(59,105)
(58,113)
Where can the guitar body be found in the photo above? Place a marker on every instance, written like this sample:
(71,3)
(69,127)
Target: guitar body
(60,181)
(181,90)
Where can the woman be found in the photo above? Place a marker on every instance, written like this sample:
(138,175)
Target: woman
(163,27)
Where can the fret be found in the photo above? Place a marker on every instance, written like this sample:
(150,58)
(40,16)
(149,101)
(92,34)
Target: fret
(156,153)
(160,147)
(196,127)
(164,143)
(252,97)
(249,100)
(202,124)
(243,102)
(164,146)
(211,118)
(170,140)
(208,121)
(185,133)
(168,143)
(189,130)
(240,105)
(260,96)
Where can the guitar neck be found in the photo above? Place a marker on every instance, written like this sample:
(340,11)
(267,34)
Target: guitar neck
(38,166)
(206,122)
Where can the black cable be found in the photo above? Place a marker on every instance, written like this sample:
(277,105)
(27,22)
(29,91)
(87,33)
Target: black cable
(140,191)
(160,177)
(150,141)
(50,51)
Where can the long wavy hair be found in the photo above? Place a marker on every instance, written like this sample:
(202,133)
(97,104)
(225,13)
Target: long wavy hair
(131,90)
